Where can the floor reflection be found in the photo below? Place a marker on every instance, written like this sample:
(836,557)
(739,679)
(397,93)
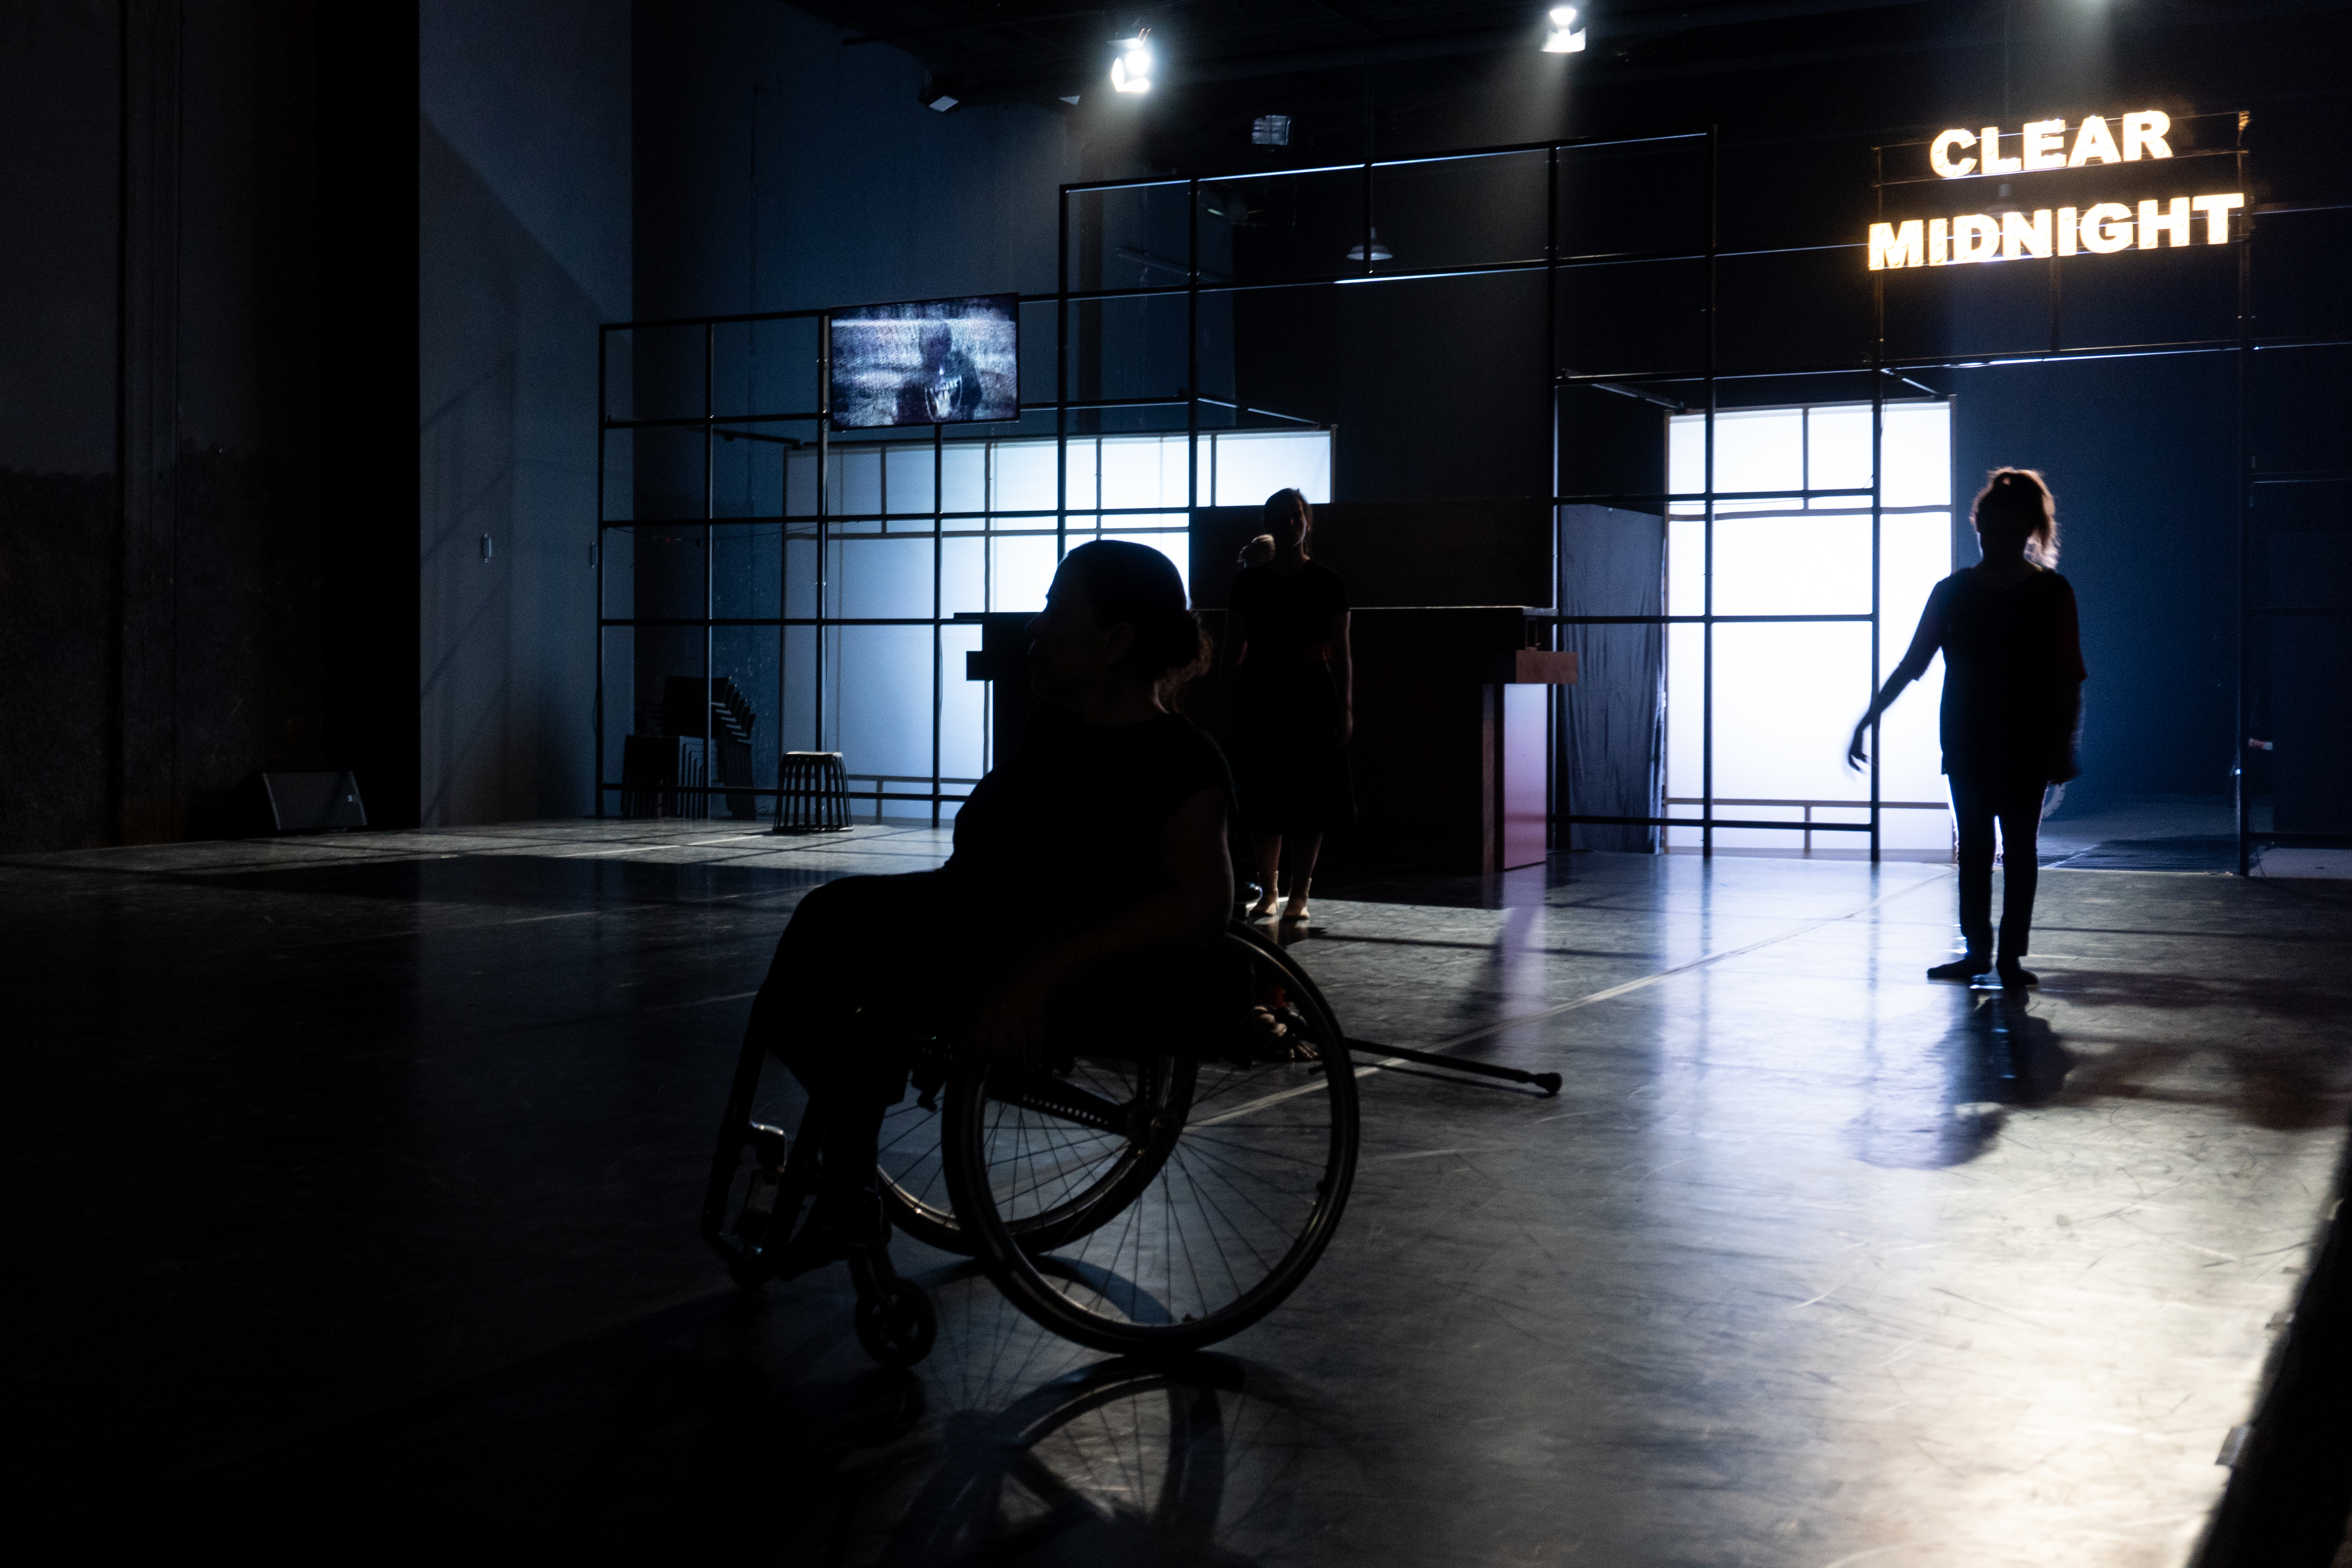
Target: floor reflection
(1123,1462)
(1946,1106)
(745,1429)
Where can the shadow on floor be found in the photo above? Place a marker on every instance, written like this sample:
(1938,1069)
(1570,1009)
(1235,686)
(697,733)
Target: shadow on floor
(724,1431)
(1946,1107)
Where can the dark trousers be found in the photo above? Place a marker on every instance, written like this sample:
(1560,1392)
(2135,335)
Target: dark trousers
(906,949)
(1976,801)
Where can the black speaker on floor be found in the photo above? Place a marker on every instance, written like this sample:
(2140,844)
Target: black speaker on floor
(313,803)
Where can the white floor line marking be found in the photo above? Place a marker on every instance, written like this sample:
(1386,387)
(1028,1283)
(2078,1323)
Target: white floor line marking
(1587,1000)
(698,1002)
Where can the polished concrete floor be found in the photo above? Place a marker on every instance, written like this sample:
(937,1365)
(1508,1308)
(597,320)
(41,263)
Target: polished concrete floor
(352,1183)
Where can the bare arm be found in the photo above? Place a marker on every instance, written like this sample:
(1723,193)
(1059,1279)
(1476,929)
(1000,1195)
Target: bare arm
(1343,676)
(1924,641)
(1192,907)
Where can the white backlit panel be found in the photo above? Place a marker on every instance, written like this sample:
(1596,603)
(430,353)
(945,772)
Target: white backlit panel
(1837,456)
(1758,450)
(1251,465)
(1145,470)
(1918,446)
(1808,565)
(882,698)
(1786,694)
(1023,478)
(1022,570)
(907,477)
(964,481)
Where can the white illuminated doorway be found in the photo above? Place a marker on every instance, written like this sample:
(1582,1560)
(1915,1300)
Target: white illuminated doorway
(1762,696)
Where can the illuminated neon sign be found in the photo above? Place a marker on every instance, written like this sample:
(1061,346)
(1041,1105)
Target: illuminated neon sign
(2099,229)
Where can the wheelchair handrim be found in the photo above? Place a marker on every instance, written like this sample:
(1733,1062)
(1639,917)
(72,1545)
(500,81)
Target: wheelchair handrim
(1063,1222)
(1024,1279)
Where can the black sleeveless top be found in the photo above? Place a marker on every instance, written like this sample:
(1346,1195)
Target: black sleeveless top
(1285,615)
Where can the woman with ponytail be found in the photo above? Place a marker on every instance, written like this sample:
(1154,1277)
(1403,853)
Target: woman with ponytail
(2012,706)
(1095,852)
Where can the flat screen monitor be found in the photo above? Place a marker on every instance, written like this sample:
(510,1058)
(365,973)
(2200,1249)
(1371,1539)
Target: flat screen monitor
(929,362)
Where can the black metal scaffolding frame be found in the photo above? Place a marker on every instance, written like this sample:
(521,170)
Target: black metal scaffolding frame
(1709,379)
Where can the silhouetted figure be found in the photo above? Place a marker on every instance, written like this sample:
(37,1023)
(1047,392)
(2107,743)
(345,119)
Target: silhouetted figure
(946,388)
(1293,704)
(1098,847)
(2012,704)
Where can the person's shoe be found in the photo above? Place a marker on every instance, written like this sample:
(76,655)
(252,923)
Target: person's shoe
(1264,909)
(2015,975)
(1965,968)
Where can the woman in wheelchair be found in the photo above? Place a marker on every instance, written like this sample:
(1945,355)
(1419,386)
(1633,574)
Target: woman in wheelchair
(1096,852)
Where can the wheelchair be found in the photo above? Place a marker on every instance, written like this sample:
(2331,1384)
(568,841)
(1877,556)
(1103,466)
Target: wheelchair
(1164,1179)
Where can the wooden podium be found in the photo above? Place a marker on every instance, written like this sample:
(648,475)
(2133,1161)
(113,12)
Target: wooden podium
(1453,745)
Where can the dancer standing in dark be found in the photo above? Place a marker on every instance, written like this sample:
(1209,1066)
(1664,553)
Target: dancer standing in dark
(2012,704)
(1293,704)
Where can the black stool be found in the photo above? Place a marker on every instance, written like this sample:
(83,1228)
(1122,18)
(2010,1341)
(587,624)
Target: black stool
(813,793)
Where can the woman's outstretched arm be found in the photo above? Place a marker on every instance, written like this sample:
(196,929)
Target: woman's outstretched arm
(1924,641)
(1193,905)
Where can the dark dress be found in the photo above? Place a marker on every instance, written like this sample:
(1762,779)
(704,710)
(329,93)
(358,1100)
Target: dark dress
(1079,807)
(2012,702)
(1293,777)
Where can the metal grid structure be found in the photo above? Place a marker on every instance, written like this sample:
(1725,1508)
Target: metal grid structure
(1882,371)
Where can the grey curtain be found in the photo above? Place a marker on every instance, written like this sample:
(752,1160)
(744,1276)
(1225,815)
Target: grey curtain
(1612,563)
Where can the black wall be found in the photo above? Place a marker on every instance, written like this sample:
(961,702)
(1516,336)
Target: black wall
(187,600)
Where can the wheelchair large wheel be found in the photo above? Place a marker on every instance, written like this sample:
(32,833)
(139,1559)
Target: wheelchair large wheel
(919,1194)
(914,1178)
(1152,1196)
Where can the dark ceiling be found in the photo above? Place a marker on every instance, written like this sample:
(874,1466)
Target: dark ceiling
(1406,75)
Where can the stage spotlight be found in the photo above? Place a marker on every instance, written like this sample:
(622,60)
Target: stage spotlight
(1565,38)
(1381,252)
(1131,71)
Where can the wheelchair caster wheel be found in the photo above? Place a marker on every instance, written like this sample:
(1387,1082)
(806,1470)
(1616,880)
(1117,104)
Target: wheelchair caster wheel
(896,1326)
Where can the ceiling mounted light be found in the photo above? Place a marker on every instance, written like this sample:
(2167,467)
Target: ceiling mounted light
(1565,38)
(1381,252)
(1132,70)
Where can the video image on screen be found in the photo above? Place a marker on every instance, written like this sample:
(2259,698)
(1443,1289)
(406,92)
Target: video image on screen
(931,361)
